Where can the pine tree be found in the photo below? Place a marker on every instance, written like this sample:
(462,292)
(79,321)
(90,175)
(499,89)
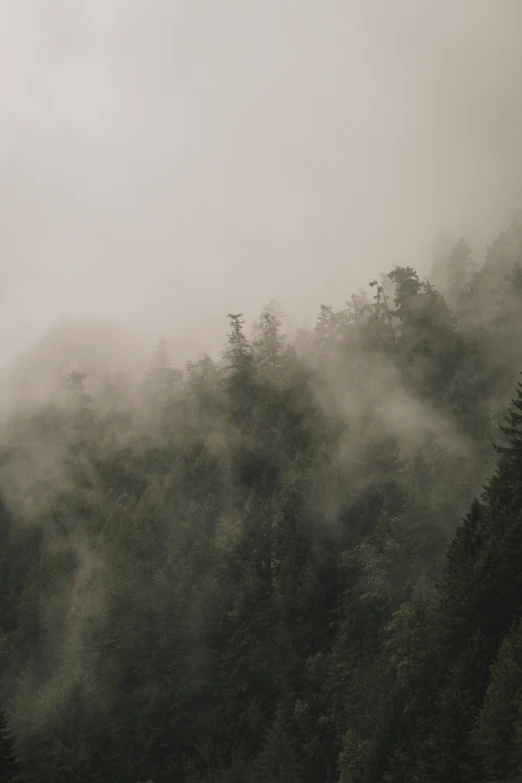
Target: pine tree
(461,585)
(239,380)
(497,739)
(239,352)
(481,596)
(9,765)
(378,329)
(82,415)
(269,345)
(512,429)
(277,761)
(162,389)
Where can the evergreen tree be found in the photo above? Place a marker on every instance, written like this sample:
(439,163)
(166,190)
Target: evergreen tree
(277,761)
(9,765)
(497,738)
(239,382)
(269,345)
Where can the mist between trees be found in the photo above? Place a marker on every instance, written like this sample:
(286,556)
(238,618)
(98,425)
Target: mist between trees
(297,563)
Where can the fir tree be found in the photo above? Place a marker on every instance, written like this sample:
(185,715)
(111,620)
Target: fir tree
(9,765)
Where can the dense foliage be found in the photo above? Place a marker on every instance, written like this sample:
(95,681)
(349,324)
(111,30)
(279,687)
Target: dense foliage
(253,570)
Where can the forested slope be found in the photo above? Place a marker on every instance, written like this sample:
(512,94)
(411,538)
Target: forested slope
(297,564)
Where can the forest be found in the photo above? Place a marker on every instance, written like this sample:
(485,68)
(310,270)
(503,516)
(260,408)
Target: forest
(298,562)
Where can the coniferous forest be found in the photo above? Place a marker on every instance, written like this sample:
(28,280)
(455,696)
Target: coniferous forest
(297,563)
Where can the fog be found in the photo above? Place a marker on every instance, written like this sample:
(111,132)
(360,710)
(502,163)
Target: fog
(209,564)
(164,163)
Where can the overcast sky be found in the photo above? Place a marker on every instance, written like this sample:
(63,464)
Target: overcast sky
(166,161)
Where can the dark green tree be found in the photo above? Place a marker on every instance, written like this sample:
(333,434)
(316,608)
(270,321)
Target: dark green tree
(9,764)
(497,737)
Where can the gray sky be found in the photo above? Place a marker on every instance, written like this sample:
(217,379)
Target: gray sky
(166,161)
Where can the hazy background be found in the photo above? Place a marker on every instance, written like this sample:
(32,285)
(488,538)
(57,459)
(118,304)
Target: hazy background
(164,162)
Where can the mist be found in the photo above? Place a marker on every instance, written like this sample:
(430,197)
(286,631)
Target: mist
(164,163)
(244,542)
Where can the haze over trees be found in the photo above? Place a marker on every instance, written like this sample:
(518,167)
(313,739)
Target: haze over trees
(299,563)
